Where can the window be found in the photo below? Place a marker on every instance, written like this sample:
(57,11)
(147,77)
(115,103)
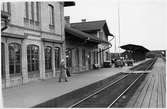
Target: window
(6,7)
(57,57)
(48,58)
(33,58)
(32,12)
(26,10)
(51,14)
(37,11)
(2,60)
(14,59)
(83,57)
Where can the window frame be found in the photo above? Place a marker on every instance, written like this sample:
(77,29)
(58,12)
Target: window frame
(57,57)
(34,66)
(48,58)
(51,16)
(6,5)
(26,10)
(13,56)
(37,11)
(32,20)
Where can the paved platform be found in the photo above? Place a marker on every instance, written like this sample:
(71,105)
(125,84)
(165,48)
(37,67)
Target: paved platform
(152,92)
(33,93)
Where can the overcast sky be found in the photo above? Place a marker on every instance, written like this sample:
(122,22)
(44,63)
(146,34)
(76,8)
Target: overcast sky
(142,22)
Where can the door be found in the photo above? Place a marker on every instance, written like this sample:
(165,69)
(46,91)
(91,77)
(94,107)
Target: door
(89,60)
(69,59)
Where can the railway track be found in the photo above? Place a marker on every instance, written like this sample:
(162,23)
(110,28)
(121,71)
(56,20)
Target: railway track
(110,95)
(145,65)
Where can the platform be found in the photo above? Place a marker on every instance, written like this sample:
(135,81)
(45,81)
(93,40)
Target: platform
(34,93)
(152,92)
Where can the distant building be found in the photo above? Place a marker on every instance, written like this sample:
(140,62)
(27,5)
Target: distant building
(97,29)
(33,42)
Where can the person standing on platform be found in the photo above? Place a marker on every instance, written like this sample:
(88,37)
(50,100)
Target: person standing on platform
(62,71)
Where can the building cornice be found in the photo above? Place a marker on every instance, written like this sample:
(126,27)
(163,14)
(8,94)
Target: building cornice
(18,36)
(22,27)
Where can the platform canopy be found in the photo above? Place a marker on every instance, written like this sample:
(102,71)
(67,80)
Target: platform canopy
(133,47)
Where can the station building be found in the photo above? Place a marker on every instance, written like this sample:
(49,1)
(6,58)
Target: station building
(86,48)
(32,41)
(98,29)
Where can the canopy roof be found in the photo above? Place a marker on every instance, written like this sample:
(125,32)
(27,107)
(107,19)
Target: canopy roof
(133,47)
(80,34)
(83,35)
(69,3)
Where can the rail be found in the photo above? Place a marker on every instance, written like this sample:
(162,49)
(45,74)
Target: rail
(150,65)
(98,91)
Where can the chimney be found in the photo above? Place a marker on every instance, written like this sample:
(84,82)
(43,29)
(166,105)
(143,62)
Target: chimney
(67,20)
(83,20)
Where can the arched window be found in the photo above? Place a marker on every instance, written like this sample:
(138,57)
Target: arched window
(48,58)
(33,58)
(14,59)
(57,57)
(51,14)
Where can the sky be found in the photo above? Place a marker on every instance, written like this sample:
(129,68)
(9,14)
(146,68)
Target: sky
(142,22)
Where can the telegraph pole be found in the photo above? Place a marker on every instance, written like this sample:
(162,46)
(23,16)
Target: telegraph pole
(119,34)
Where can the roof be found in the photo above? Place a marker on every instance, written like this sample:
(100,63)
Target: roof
(133,47)
(92,26)
(69,3)
(80,34)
